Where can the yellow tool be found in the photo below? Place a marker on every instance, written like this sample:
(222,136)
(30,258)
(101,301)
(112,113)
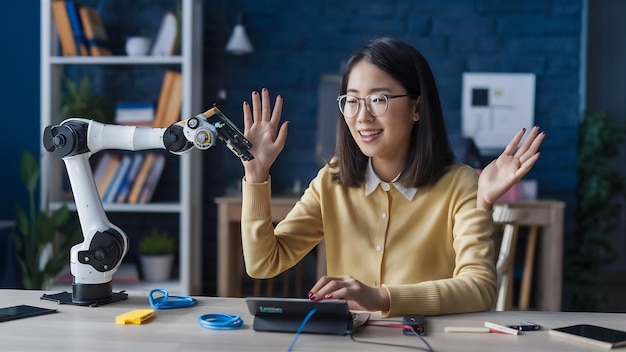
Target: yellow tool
(137,316)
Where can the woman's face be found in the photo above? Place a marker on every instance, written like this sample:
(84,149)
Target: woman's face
(386,137)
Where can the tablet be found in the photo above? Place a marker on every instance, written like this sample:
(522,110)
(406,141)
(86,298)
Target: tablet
(22,311)
(596,335)
(287,314)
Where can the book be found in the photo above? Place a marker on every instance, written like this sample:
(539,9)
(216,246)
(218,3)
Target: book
(120,173)
(110,166)
(175,100)
(170,100)
(64,29)
(125,187)
(153,179)
(166,88)
(100,166)
(134,113)
(172,114)
(95,33)
(77,27)
(140,180)
(166,38)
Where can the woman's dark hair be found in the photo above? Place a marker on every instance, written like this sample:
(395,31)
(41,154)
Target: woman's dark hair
(429,153)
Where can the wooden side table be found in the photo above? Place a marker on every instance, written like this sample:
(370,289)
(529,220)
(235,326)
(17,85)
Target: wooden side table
(229,252)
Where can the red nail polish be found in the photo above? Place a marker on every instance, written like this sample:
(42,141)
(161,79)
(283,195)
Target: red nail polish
(312,298)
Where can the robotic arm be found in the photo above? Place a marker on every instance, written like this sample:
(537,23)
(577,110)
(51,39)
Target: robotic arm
(94,261)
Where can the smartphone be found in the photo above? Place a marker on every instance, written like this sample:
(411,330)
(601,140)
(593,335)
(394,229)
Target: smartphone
(597,335)
(22,311)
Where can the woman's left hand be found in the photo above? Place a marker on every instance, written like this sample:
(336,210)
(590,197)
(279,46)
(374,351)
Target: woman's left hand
(358,295)
(509,168)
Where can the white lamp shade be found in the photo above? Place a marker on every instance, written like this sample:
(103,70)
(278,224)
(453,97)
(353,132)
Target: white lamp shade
(239,44)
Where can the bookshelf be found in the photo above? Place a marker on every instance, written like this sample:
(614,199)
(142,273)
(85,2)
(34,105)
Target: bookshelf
(188,205)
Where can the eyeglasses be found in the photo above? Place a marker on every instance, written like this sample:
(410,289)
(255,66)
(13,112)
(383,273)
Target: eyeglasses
(376,104)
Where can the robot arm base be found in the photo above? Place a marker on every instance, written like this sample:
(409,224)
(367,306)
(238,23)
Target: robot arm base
(83,296)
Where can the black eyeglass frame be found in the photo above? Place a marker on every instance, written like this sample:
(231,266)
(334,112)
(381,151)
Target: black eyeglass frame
(387,98)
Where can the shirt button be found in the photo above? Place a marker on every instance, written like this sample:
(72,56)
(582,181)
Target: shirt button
(374,283)
(383,215)
(385,186)
(379,248)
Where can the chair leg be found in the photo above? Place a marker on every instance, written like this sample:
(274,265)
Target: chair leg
(527,276)
(506,258)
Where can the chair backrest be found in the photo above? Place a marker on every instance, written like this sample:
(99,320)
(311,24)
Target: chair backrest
(505,218)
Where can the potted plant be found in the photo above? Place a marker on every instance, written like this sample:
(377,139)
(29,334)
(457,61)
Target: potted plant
(156,255)
(43,239)
(79,101)
(600,187)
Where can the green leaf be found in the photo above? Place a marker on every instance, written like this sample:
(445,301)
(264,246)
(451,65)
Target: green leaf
(37,229)
(23,223)
(30,172)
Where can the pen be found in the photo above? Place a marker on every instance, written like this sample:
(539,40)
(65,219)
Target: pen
(466,329)
(501,328)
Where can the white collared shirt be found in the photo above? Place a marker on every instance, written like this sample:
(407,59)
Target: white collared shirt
(372,181)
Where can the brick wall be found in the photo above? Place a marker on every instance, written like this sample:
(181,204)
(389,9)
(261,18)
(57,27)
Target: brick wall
(297,42)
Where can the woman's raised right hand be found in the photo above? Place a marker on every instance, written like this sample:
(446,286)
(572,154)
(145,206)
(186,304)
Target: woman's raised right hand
(261,125)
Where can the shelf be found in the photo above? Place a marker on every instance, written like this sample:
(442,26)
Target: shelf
(187,206)
(127,207)
(116,60)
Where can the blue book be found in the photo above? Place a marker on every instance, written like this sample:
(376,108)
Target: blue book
(120,174)
(77,27)
(127,183)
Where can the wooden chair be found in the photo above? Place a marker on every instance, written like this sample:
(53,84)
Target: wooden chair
(505,219)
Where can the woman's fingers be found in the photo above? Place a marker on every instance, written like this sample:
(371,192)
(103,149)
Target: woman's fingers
(256,107)
(511,148)
(265,105)
(247,116)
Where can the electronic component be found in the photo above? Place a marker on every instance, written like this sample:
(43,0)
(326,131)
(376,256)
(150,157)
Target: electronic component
(416,322)
(525,326)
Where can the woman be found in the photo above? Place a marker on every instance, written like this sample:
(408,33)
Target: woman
(407,230)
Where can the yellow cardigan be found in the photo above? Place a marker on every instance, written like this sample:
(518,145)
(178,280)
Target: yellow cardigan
(434,253)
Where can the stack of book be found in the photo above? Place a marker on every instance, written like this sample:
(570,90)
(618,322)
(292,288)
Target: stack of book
(82,32)
(80,28)
(134,114)
(128,177)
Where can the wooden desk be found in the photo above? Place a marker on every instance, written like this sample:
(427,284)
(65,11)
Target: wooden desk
(546,214)
(77,328)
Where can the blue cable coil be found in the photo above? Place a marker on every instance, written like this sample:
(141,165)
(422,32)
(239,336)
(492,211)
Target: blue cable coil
(220,321)
(161,299)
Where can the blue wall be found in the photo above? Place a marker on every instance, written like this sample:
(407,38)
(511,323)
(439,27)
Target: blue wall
(19,98)
(297,41)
